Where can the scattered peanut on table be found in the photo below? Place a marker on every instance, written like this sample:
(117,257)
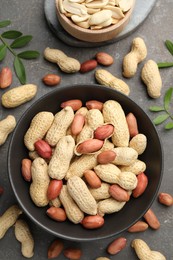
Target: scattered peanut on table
(7,125)
(24,236)
(8,219)
(151,77)
(137,54)
(65,63)
(18,95)
(144,252)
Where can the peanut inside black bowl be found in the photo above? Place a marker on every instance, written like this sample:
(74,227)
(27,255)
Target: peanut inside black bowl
(114,223)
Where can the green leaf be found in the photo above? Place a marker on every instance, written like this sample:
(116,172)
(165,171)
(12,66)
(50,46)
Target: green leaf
(4,23)
(169,46)
(160,119)
(21,41)
(167,98)
(20,70)
(156,108)
(169,126)
(164,65)
(29,55)
(3,51)
(11,34)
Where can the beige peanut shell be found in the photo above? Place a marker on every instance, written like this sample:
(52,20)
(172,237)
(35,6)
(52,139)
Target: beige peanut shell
(137,54)
(24,236)
(124,156)
(53,55)
(69,65)
(113,113)
(144,252)
(81,195)
(73,212)
(105,78)
(40,182)
(60,161)
(109,206)
(65,63)
(94,118)
(107,172)
(39,126)
(152,79)
(136,167)
(8,219)
(81,164)
(138,143)
(18,95)
(61,122)
(7,125)
(101,192)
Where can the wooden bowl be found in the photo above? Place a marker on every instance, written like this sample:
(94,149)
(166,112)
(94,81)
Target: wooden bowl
(89,35)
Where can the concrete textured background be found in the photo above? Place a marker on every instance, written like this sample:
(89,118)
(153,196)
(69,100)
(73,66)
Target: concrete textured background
(28,17)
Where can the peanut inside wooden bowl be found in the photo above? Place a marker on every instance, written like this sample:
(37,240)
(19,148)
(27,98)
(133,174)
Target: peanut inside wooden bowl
(92,35)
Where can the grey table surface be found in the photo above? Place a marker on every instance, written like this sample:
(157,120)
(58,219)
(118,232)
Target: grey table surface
(28,17)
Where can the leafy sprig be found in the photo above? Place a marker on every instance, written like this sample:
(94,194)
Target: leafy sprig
(18,41)
(169,46)
(165,109)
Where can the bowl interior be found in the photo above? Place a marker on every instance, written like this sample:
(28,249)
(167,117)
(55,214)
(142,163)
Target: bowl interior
(114,223)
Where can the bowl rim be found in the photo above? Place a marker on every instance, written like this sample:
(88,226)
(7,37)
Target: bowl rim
(108,29)
(36,221)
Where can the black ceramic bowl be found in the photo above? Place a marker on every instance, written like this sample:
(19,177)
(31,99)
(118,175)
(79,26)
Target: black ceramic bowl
(114,223)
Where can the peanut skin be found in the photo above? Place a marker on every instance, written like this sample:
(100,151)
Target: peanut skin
(116,245)
(54,189)
(165,199)
(152,219)
(72,253)
(89,146)
(139,226)
(132,124)
(58,214)
(92,179)
(75,104)
(77,124)
(92,222)
(55,249)
(141,185)
(26,169)
(106,157)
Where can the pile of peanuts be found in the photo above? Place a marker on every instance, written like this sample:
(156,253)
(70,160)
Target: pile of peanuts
(90,149)
(84,161)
